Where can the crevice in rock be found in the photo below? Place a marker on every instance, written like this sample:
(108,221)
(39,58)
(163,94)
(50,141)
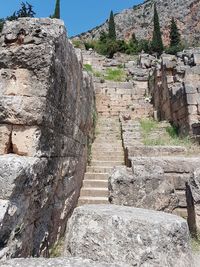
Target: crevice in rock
(10,145)
(191,219)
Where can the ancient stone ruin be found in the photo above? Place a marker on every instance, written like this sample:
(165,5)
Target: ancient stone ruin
(46,109)
(77,169)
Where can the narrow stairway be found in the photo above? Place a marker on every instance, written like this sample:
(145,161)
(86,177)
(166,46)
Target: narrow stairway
(107,152)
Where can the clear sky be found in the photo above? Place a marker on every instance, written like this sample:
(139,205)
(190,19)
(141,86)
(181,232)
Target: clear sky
(79,15)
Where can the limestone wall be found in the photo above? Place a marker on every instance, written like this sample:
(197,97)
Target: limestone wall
(46,107)
(175,91)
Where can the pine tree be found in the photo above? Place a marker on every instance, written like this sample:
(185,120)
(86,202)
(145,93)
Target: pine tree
(26,10)
(56,14)
(175,37)
(157,44)
(111,26)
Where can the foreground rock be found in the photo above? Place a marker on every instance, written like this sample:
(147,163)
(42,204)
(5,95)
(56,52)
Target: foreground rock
(59,262)
(129,235)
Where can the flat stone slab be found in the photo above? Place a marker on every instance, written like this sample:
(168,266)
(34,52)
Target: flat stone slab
(55,262)
(169,164)
(128,235)
(155,150)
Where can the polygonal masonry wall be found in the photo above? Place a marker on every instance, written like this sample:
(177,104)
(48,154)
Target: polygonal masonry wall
(46,107)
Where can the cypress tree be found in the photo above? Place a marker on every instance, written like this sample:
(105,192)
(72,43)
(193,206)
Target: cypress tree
(111,26)
(56,14)
(157,44)
(175,37)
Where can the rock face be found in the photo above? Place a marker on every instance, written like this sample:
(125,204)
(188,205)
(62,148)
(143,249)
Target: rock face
(60,262)
(46,107)
(128,235)
(139,20)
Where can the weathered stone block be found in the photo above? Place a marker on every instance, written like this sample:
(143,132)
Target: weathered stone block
(169,164)
(143,189)
(21,82)
(129,236)
(13,168)
(26,140)
(5,137)
(196,58)
(192,109)
(155,150)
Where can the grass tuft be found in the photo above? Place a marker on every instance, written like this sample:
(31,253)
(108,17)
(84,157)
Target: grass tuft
(117,75)
(57,249)
(147,125)
(88,67)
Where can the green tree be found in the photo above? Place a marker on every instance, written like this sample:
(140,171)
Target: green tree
(111,27)
(56,14)
(175,37)
(26,10)
(157,44)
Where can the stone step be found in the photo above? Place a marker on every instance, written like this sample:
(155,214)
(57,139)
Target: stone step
(107,151)
(108,135)
(96,176)
(95,183)
(106,163)
(92,200)
(99,169)
(106,145)
(108,140)
(104,157)
(94,192)
(105,129)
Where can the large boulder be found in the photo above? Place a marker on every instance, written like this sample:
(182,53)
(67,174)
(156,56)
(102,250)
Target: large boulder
(128,235)
(59,262)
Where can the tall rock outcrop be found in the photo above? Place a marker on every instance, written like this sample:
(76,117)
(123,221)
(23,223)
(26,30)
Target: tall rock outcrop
(46,107)
(139,20)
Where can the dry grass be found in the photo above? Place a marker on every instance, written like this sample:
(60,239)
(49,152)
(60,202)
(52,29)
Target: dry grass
(160,134)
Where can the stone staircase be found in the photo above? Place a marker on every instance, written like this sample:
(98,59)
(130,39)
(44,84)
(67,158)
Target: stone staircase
(107,152)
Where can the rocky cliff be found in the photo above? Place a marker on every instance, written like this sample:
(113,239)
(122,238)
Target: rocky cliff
(46,107)
(139,20)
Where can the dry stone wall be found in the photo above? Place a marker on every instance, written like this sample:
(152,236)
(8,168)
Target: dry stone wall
(175,91)
(46,107)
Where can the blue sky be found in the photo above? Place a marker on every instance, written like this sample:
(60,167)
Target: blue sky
(79,15)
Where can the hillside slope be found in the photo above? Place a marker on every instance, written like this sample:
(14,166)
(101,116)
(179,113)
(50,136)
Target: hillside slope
(139,20)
